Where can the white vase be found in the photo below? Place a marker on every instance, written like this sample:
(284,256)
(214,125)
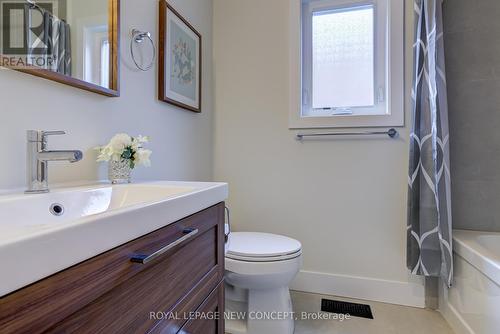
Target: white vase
(119,171)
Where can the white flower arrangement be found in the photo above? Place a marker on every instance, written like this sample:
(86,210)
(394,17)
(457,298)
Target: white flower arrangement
(124,147)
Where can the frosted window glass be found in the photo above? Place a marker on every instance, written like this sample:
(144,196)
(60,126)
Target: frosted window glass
(343,58)
(105,53)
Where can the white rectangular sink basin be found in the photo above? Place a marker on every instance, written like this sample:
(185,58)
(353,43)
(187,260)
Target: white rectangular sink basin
(22,214)
(43,234)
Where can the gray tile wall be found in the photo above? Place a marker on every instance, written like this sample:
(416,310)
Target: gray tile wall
(472,43)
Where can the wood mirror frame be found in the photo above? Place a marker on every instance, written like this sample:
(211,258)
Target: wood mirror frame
(114,75)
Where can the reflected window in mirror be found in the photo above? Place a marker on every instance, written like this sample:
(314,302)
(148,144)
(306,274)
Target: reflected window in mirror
(96,55)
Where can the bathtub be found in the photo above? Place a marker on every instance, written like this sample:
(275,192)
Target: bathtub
(472,305)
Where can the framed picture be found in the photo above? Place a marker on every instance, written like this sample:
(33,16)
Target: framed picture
(179,60)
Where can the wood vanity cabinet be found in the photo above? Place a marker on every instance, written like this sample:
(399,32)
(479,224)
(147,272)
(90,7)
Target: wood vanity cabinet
(180,291)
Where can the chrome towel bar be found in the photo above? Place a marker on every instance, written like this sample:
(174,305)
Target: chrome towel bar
(392,133)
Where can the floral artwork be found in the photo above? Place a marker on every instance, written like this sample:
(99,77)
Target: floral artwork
(180,73)
(183,63)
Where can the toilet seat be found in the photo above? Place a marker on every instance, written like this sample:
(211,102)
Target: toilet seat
(264,259)
(253,268)
(262,247)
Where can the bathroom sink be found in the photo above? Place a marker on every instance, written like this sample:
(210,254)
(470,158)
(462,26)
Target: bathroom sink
(43,234)
(25,213)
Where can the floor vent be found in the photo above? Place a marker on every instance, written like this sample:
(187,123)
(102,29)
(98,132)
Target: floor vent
(354,310)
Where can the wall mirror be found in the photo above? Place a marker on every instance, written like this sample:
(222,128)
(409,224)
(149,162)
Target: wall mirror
(74,42)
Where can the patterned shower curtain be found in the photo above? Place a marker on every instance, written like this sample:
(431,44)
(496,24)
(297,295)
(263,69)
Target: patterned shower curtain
(429,244)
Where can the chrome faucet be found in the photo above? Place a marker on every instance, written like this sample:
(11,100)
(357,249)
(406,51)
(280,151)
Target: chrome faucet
(37,158)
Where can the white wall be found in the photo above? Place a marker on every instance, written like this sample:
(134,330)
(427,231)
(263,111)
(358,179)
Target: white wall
(344,199)
(181,140)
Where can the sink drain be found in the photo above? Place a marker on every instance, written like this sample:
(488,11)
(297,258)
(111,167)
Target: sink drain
(56,209)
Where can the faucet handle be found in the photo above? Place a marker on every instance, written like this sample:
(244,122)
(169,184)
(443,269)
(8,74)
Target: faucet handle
(41,136)
(45,134)
(52,133)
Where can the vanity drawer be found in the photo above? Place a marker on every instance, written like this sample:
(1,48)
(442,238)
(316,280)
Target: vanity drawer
(207,319)
(111,294)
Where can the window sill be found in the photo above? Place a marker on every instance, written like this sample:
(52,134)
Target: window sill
(346,121)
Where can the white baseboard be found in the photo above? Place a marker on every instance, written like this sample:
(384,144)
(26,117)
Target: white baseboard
(393,292)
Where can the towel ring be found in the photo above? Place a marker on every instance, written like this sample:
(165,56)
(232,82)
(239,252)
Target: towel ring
(139,37)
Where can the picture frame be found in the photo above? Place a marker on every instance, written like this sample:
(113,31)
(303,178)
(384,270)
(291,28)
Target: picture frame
(180,60)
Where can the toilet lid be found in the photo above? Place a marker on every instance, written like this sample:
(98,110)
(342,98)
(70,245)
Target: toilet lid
(253,245)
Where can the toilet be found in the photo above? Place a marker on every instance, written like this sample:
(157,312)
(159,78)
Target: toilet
(259,269)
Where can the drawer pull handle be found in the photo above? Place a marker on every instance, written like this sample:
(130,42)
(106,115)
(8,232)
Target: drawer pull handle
(143,259)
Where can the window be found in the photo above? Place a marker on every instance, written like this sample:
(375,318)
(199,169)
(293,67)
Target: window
(96,55)
(351,63)
(343,58)
(105,61)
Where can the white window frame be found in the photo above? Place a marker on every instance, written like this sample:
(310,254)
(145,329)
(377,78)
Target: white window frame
(391,78)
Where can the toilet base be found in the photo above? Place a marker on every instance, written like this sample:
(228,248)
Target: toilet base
(266,311)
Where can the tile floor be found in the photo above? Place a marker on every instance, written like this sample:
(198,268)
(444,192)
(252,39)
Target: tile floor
(389,319)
